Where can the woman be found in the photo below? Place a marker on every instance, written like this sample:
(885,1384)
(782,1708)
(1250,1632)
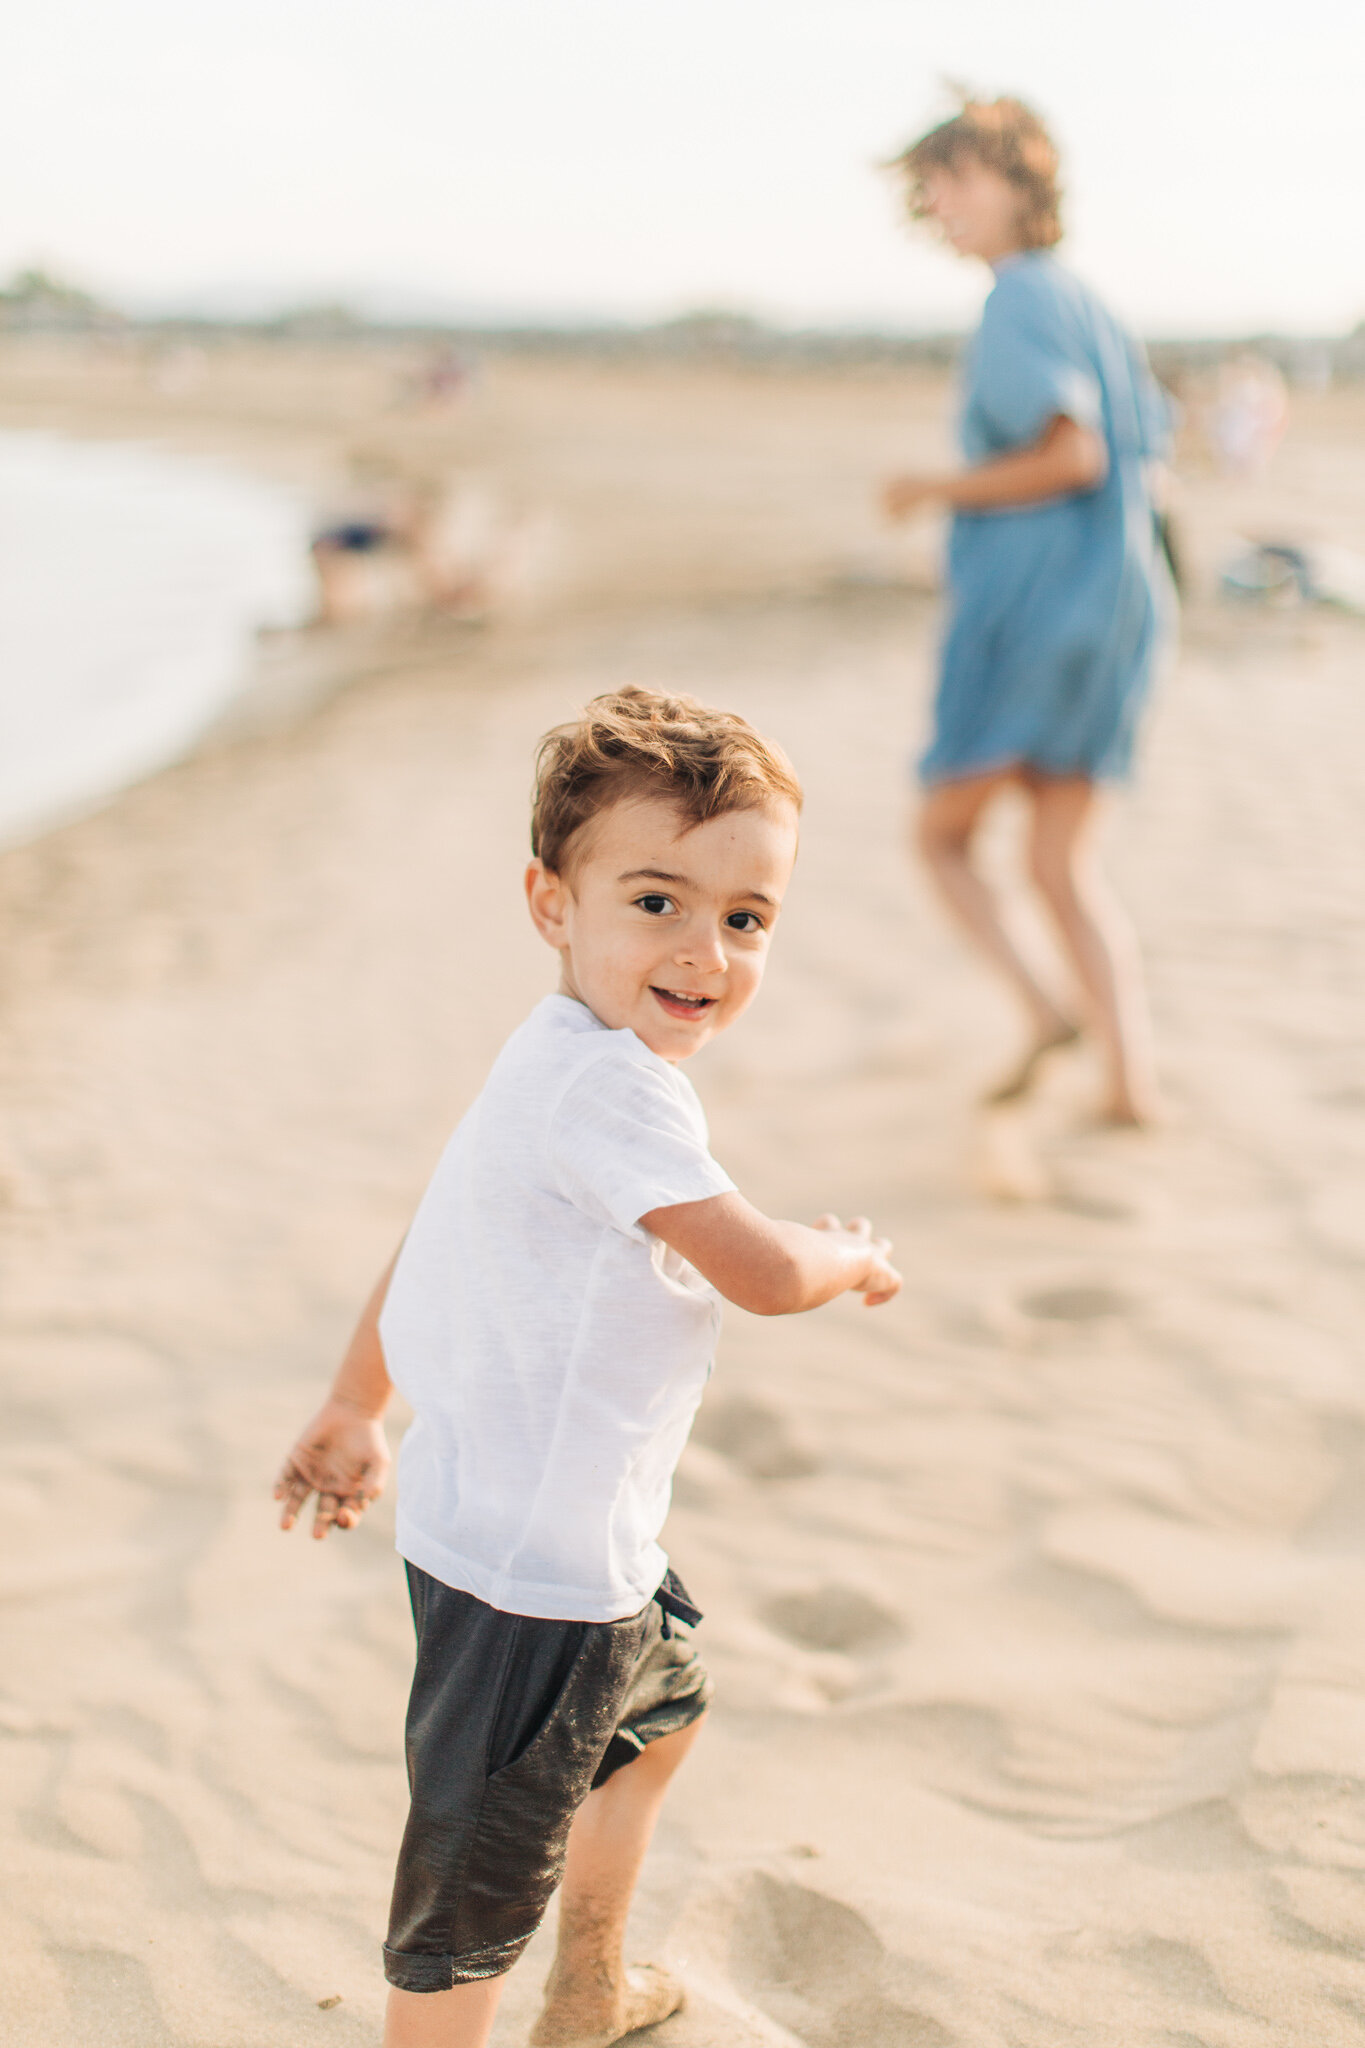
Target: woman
(1056,582)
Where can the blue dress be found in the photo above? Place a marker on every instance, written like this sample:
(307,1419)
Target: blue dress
(1055,609)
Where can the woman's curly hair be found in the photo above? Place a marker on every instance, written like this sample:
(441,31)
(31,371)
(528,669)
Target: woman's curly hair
(1005,136)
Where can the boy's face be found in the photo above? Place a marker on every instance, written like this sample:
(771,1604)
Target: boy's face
(663,927)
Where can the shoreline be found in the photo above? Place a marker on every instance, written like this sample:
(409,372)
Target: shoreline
(138,583)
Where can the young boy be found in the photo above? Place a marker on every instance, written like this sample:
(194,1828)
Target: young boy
(551,1317)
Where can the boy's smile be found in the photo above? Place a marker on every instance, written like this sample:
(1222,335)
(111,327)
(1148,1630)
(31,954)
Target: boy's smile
(680,1005)
(663,926)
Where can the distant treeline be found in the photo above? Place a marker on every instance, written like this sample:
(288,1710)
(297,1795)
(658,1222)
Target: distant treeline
(35,302)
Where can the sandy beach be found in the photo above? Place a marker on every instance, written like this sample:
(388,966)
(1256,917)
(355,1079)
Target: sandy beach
(1035,1601)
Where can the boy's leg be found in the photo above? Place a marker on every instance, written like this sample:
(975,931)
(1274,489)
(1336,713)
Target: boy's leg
(589,1998)
(460,2018)
(509,1719)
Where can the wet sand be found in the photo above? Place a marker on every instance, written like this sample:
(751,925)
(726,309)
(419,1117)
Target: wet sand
(1035,1601)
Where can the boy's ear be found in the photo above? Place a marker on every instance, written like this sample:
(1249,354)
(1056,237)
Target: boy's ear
(547,899)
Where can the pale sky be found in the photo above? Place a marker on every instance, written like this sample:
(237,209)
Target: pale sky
(639,157)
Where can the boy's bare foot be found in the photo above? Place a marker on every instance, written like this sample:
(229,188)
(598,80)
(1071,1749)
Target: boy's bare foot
(648,1995)
(1022,1076)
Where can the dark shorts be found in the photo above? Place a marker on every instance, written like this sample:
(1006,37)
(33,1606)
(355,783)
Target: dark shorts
(511,1723)
(355,537)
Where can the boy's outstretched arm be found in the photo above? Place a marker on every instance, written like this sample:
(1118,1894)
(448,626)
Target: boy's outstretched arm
(342,1456)
(771,1268)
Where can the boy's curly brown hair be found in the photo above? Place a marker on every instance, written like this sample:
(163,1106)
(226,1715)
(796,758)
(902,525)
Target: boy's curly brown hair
(641,743)
(1007,137)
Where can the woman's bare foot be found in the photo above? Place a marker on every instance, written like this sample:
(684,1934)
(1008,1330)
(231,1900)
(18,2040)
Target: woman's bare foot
(1124,1113)
(1132,1103)
(647,1996)
(1022,1076)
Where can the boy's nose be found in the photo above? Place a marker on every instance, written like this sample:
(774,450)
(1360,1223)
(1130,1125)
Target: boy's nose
(703,950)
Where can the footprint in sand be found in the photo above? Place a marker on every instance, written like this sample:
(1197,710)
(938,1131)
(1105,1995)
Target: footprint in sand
(1351,1095)
(1006,1163)
(1082,1301)
(754,1437)
(1096,1207)
(1176,1970)
(833,1617)
(817,1968)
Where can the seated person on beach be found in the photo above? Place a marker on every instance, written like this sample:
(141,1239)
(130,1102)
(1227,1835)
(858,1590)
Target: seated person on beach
(405,528)
(551,1317)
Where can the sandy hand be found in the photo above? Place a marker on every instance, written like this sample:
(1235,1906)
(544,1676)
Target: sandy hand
(879,1281)
(342,1457)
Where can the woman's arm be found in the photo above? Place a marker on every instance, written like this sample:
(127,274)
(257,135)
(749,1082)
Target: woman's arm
(1065,458)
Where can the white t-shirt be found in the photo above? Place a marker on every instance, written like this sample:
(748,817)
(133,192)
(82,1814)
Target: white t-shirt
(554,1352)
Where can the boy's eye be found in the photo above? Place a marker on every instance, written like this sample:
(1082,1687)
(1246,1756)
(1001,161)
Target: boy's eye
(744,921)
(656,906)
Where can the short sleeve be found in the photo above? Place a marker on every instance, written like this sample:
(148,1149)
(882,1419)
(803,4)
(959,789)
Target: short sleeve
(625,1139)
(1027,369)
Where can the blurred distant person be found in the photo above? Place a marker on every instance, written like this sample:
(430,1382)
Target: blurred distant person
(1057,584)
(372,532)
(403,545)
(438,382)
(1247,415)
(444,378)
(342,553)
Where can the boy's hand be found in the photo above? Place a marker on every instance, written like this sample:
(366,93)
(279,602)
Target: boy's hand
(342,1457)
(880,1281)
(773,1268)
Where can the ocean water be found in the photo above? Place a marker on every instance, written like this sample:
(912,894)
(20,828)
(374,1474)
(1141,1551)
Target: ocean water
(132,585)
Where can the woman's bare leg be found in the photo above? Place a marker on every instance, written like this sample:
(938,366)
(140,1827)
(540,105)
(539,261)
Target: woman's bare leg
(1098,940)
(947,822)
(590,1996)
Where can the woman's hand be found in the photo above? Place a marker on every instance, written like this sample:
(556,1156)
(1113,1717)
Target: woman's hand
(1065,460)
(342,1457)
(905,494)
